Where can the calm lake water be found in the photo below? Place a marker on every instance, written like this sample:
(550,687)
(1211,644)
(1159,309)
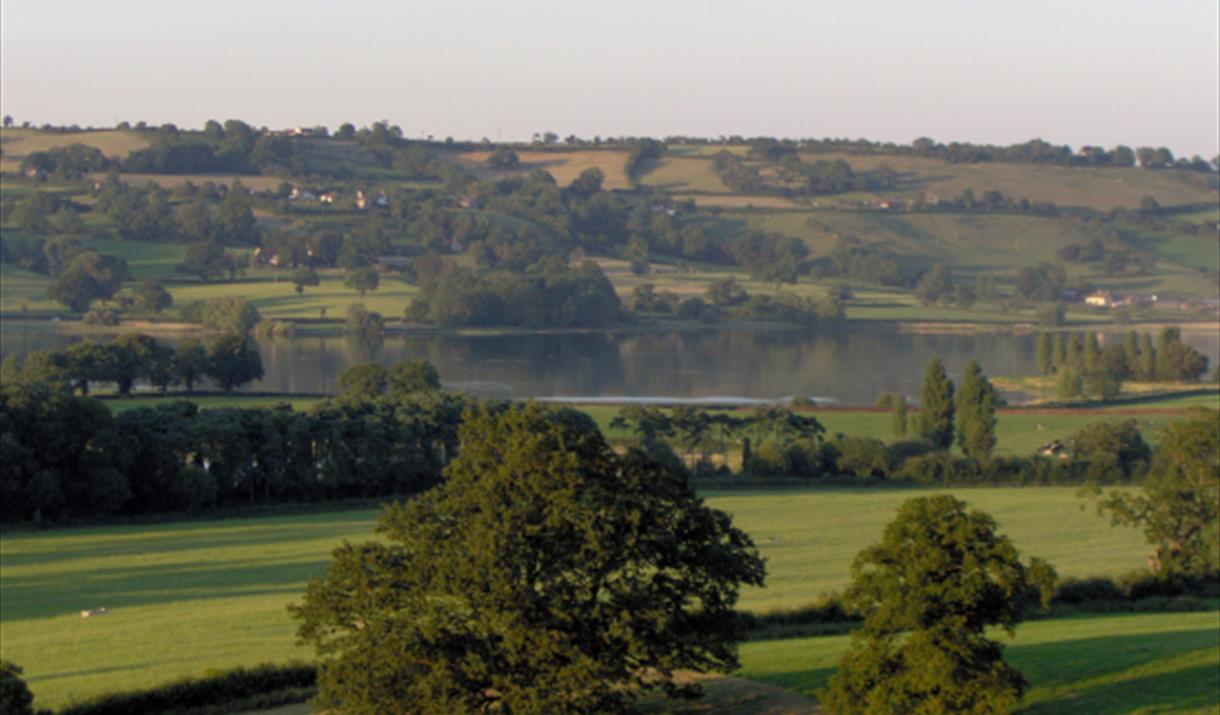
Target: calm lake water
(849,364)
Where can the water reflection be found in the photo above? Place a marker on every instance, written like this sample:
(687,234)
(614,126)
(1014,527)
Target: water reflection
(851,364)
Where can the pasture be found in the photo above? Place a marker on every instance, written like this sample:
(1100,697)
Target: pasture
(564,166)
(188,596)
(20,143)
(1128,663)
(1096,188)
(275,296)
(689,168)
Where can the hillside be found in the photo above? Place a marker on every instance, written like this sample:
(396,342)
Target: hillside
(980,220)
(19,143)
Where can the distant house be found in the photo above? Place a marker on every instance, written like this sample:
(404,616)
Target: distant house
(361,200)
(1100,299)
(267,257)
(300,194)
(290,132)
(329,197)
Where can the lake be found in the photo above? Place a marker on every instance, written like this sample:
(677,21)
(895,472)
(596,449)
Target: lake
(850,364)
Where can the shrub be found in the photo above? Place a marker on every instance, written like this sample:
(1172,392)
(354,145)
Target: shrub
(199,694)
(15,696)
(862,456)
(101,316)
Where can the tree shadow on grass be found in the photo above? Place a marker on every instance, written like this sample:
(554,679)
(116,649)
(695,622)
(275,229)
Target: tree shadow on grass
(109,542)
(127,587)
(1148,673)
(1187,689)
(1064,662)
(1151,673)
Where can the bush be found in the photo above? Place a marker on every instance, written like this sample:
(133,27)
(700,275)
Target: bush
(275,329)
(195,695)
(101,316)
(1077,591)
(364,323)
(794,459)
(863,456)
(15,696)
(899,452)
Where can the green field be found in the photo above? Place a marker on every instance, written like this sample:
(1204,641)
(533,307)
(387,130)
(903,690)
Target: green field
(1145,663)
(276,297)
(189,596)
(690,169)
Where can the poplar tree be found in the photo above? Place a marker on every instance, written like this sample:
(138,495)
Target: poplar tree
(1045,353)
(976,413)
(936,406)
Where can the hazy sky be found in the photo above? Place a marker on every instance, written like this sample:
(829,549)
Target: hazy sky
(1069,71)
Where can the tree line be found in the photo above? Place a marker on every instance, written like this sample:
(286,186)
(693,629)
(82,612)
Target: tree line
(1083,367)
(230,360)
(68,457)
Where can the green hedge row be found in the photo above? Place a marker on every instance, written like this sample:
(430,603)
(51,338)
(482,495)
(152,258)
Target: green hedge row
(223,692)
(1135,592)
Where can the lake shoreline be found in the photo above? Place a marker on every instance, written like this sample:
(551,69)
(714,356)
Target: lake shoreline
(335,328)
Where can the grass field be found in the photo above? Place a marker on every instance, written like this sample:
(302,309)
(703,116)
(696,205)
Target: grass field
(276,297)
(565,166)
(20,143)
(682,174)
(1145,663)
(25,293)
(684,169)
(1101,189)
(169,181)
(189,596)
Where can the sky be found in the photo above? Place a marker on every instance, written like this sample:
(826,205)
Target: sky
(1099,72)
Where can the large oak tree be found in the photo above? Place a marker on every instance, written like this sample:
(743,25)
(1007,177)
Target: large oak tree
(546,574)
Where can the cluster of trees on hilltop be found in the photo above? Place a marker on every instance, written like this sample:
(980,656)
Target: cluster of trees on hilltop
(1035,151)
(68,457)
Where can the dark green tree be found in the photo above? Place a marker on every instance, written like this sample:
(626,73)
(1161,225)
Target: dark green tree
(235,224)
(15,695)
(76,290)
(1112,451)
(410,377)
(230,314)
(1045,351)
(152,297)
(940,576)
(364,323)
(362,280)
(304,276)
(976,403)
(363,382)
(936,406)
(190,363)
(503,158)
(1178,507)
(233,361)
(545,574)
(208,261)
(900,416)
